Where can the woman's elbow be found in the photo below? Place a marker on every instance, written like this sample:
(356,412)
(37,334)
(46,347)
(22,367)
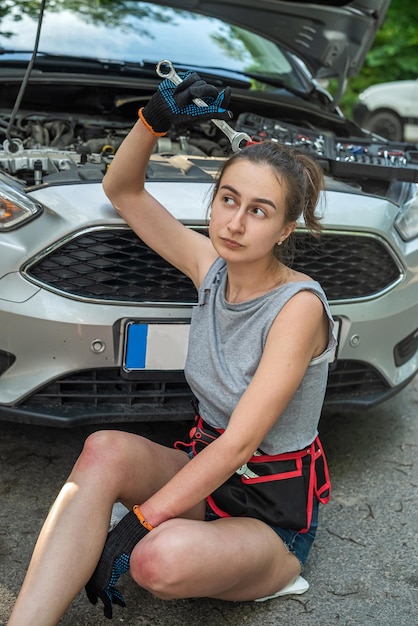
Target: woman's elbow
(239,451)
(111,192)
(108,186)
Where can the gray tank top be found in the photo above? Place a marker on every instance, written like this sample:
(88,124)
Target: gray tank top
(226,343)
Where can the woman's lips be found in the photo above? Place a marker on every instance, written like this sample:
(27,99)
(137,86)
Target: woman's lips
(230,243)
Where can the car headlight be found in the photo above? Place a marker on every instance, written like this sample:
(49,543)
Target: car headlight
(15,209)
(407,219)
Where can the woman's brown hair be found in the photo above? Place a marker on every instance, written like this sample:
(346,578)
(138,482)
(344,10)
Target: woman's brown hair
(301,176)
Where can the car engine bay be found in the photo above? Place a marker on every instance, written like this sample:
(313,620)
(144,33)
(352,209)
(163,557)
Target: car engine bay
(51,143)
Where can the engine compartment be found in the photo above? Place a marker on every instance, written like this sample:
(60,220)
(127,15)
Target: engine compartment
(54,142)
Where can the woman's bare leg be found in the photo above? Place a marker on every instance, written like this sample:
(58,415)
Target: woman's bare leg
(113,466)
(235,559)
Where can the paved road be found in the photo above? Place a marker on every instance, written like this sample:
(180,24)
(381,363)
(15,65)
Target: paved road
(362,569)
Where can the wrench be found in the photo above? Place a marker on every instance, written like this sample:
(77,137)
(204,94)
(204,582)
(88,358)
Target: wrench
(165,69)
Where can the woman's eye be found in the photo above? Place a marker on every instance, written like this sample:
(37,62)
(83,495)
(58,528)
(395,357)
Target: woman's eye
(259,212)
(228,200)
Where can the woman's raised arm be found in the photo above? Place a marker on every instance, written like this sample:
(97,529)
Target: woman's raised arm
(124,183)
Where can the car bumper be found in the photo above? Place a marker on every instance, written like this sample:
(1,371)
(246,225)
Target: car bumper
(68,372)
(62,354)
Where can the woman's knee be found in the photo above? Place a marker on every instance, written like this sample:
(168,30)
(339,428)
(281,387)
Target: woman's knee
(104,450)
(155,564)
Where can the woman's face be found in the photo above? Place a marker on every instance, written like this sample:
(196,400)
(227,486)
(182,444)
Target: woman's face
(248,213)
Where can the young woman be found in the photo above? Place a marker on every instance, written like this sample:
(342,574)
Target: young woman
(260,338)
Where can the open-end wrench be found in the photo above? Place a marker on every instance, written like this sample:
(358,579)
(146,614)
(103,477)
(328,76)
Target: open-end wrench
(165,69)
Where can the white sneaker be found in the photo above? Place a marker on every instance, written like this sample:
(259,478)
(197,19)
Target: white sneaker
(118,512)
(298,586)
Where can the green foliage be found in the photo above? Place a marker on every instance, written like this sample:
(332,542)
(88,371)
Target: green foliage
(393,56)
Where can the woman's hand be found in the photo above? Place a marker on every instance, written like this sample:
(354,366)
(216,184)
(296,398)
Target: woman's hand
(174,105)
(114,562)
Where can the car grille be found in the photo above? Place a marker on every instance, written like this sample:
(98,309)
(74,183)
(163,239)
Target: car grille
(101,395)
(114,265)
(353,383)
(104,395)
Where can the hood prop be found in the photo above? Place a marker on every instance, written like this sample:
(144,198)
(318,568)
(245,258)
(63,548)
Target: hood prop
(13,145)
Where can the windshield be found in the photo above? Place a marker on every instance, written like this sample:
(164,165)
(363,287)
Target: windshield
(139,32)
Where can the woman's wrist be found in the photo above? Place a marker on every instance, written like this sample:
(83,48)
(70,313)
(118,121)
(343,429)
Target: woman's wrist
(136,509)
(148,126)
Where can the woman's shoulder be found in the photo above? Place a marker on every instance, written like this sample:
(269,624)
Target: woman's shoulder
(302,290)
(299,277)
(298,282)
(215,271)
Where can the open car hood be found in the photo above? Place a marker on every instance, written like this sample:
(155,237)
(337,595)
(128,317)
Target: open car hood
(332,37)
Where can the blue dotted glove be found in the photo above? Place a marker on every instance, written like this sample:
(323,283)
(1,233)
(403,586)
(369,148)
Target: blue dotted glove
(114,562)
(174,105)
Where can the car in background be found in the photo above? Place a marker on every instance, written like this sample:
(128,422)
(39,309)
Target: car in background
(94,324)
(390,110)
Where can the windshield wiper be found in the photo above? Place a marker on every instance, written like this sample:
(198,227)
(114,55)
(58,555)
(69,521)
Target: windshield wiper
(147,68)
(66,62)
(268,79)
(274,81)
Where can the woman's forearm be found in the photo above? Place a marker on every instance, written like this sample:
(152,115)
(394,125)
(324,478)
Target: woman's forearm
(194,482)
(126,173)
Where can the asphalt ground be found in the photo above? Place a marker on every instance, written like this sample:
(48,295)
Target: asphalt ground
(362,568)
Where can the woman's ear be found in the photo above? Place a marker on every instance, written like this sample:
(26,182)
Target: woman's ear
(287,231)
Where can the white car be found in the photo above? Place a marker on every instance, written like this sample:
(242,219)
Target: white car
(93,324)
(390,110)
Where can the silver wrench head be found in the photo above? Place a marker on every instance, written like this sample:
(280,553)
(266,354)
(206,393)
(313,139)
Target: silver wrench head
(165,69)
(237,140)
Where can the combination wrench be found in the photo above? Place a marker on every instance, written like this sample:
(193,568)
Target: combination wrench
(165,69)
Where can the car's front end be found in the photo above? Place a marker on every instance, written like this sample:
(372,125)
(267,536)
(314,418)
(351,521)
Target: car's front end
(93,324)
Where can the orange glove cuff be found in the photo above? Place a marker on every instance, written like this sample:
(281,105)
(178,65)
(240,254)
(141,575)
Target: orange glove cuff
(141,518)
(150,128)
